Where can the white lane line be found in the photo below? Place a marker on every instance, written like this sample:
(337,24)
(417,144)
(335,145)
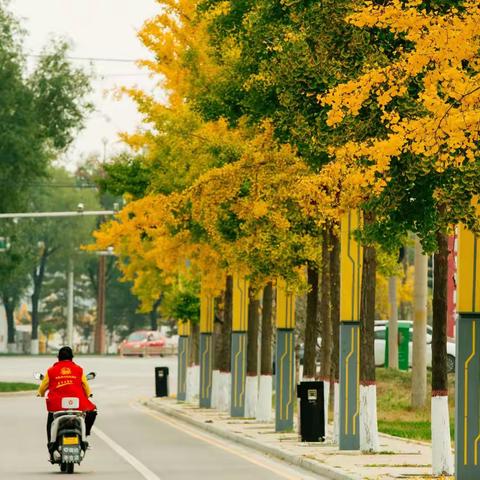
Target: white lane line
(146,473)
(259,460)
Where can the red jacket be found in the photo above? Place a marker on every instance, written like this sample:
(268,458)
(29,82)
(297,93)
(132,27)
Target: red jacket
(66,379)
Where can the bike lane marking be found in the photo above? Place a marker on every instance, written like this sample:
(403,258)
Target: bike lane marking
(207,439)
(146,473)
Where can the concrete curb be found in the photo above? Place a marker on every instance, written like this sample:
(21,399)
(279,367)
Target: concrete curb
(21,393)
(318,468)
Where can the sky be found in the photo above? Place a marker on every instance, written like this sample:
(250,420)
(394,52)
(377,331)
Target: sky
(97,29)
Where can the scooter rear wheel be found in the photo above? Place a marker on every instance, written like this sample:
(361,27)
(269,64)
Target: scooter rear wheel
(70,467)
(63,467)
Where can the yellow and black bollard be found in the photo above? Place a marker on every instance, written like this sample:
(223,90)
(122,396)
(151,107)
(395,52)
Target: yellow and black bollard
(183,354)
(350,289)
(207,314)
(285,395)
(239,345)
(467,376)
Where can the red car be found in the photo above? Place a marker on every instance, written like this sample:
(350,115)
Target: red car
(143,343)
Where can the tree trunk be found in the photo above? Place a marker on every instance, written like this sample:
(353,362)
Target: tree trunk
(252,342)
(10,314)
(153,320)
(153,315)
(335,322)
(367,316)
(311,326)
(35,301)
(226,331)
(393,324)
(267,330)
(325,316)
(251,387)
(439,338)
(335,305)
(38,275)
(441,450)
(217,331)
(224,394)
(194,343)
(368,403)
(419,346)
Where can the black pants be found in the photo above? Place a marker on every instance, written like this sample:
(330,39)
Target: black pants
(89,421)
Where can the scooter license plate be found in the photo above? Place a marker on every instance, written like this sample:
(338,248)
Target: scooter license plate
(70,441)
(71,454)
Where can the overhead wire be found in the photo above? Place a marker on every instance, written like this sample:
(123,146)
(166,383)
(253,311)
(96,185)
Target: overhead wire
(89,59)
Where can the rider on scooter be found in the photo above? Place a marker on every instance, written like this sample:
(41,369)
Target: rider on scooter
(66,379)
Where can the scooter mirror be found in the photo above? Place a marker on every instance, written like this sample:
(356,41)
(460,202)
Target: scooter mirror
(38,376)
(91,375)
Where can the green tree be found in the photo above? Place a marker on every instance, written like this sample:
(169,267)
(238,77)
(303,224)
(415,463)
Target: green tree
(122,314)
(14,279)
(39,113)
(53,242)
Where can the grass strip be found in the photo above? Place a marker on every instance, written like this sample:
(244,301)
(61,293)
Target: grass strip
(16,387)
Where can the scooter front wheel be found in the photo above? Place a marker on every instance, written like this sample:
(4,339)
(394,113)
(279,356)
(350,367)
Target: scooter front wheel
(63,467)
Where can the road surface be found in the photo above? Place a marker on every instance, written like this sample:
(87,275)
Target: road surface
(130,441)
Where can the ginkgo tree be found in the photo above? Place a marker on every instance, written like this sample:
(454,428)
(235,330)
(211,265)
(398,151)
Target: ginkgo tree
(277,57)
(425,163)
(210,73)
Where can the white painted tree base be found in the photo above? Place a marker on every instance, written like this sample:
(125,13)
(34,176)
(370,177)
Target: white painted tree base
(442,460)
(336,412)
(224,393)
(12,348)
(189,391)
(34,349)
(193,383)
(264,403)
(251,395)
(215,388)
(368,419)
(326,403)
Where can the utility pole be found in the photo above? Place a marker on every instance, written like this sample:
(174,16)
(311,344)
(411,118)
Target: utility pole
(70,277)
(419,345)
(100,325)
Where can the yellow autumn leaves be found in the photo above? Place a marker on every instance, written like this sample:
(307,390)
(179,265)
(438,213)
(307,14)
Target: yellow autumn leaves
(232,197)
(445,127)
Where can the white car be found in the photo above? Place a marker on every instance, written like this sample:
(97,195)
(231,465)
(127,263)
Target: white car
(380,341)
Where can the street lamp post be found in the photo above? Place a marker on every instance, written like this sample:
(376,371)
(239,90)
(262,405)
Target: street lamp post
(70,303)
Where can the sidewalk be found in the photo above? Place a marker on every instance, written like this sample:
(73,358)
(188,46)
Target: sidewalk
(398,458)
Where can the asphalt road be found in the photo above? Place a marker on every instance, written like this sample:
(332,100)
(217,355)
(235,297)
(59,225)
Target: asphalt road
(130,442)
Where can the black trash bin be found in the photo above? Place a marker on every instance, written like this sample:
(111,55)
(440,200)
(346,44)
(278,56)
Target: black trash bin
(161,381)
(312,415)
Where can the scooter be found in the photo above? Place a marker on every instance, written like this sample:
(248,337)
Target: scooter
(68,432)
